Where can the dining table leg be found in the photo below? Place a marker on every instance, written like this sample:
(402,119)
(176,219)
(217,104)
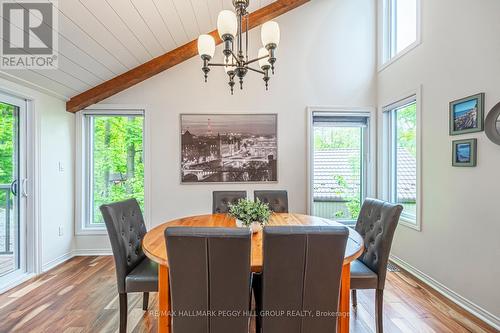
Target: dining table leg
(344,304)
(163,300)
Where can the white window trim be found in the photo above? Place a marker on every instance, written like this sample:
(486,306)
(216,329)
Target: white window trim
(384,156)
(81,183)
(371,185)
(384,35)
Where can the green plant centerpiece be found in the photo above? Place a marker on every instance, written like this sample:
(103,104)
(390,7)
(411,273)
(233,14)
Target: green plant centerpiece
(250,214)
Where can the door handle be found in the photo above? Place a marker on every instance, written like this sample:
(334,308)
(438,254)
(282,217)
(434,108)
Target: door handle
(25,187)
(13,187)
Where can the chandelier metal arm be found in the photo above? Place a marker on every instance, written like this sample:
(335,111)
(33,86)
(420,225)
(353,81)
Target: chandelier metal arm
(256,59)
(236,58)
(220,65)
(256,70)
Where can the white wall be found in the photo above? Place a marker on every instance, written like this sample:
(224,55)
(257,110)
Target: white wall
(326,57)
(57,187)
(56,135)
(459,243)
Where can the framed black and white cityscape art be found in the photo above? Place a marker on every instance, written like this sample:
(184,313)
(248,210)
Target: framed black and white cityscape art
(229,148)
(467,115)
(464,153)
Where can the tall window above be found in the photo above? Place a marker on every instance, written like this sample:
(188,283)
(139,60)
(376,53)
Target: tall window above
(402,157)
(400,28)
(113,162)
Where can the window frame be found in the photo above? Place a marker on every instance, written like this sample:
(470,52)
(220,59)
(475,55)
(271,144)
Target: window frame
(389,155)
(386,38)
(369,174)
(84,164)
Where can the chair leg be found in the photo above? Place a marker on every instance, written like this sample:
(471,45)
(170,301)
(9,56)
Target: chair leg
(123,313)
(354,298)
(145,301)
(257,293)
(379,301)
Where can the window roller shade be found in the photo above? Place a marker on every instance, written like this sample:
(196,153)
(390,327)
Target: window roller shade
(335,119)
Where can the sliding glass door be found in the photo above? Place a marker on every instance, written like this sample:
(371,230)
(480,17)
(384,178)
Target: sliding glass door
(339,164)
(12,187)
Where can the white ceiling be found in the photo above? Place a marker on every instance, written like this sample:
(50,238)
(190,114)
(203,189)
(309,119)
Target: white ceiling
(100,39)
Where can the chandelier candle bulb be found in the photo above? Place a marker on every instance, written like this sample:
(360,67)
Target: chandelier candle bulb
(270,34)
(206,49)
(227,24)
(206,46)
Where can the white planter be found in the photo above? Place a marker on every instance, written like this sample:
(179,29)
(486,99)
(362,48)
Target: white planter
(255,226)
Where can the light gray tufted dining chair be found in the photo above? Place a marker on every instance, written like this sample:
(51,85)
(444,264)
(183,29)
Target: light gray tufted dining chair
(376,224)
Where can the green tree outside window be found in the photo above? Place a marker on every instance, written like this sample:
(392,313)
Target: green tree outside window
(118,164)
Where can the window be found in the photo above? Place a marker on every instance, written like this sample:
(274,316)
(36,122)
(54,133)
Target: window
(113,162)
(339,164)
(402,157)
(401,27)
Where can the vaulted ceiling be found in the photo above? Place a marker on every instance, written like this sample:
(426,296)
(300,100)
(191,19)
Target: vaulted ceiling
(101,41)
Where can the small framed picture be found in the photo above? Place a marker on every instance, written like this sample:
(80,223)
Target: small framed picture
(467,115)
(464,153)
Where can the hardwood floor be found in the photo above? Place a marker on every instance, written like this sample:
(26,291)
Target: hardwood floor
(80,296)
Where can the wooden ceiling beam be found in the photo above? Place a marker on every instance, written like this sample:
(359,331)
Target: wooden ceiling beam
(169,59)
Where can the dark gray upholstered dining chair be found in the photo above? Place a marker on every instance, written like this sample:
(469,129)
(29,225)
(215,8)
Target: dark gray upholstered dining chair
(301,272)
(277,200)
(134,271)
(209,272)
(222,199)
(376,223)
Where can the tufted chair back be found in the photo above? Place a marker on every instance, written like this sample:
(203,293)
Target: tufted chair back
(209,271)
(126,229)
(277,200)
(376,223)
(222,199)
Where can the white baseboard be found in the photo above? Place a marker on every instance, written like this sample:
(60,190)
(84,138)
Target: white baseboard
(459,300)
(92,252)
(57,261)
(75,253)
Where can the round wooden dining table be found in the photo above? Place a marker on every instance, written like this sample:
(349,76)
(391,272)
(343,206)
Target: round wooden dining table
(154,247)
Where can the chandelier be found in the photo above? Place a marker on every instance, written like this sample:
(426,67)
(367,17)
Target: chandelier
(236,63)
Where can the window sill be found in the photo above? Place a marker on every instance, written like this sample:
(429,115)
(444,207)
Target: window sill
(410,223)
(91,231)
(398,56)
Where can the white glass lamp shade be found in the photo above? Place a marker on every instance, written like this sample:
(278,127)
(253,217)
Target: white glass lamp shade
(206,45)
(270,33)
(263,62)
(227,23)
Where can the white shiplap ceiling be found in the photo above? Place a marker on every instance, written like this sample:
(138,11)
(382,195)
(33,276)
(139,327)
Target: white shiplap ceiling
(100,39)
